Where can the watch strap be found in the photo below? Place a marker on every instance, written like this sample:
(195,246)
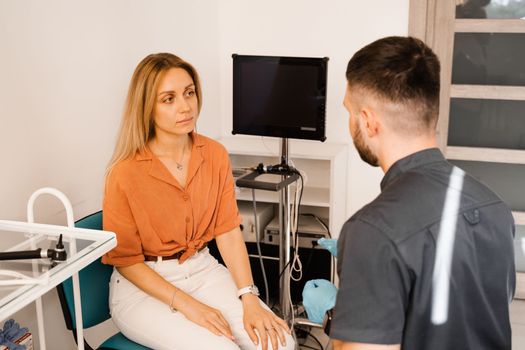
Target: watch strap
(248,289)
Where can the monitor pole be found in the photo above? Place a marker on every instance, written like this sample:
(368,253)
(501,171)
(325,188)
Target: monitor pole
(284,243)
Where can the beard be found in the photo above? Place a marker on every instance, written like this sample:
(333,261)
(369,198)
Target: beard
(364,151)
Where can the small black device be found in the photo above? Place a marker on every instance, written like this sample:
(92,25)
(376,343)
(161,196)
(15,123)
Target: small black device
(56,255)
(280,96)
(281,169)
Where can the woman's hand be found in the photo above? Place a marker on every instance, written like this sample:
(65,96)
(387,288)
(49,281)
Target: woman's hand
(205,316)
(264,322)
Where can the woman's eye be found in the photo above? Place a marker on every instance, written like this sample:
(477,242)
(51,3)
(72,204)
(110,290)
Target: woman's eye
(190,93)
(168,100)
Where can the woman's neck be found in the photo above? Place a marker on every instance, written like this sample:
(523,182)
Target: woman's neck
(171,146)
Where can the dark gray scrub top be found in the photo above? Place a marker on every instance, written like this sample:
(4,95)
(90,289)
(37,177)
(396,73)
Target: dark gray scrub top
(386,257)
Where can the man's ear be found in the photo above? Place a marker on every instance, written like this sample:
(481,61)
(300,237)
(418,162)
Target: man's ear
(370,121)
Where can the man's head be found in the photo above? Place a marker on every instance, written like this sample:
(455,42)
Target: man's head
(393,90)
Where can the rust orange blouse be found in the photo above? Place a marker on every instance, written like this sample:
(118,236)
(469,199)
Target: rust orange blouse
(151,214)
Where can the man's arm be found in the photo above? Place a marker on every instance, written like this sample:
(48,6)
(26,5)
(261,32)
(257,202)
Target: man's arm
(340,345)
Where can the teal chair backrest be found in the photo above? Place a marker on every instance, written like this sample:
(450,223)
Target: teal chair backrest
(94,284)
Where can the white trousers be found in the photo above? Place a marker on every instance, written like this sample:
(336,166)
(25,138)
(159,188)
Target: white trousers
(150,322)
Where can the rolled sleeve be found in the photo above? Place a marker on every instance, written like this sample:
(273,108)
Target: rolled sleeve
(228,216)
(118,218)
(374,287)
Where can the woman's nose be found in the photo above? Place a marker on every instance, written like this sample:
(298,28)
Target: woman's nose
(183,105)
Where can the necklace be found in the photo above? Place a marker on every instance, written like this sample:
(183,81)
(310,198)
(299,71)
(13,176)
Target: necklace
(179,163)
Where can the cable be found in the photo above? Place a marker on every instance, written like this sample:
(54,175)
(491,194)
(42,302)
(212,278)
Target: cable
(279,279)
(332,269)
(291,306)
(296,266)
(257,240)
(316,340)
(296,261)
(308,262)
(320,221)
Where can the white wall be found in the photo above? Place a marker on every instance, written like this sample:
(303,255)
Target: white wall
(64,70)
(311,28)
(65,66)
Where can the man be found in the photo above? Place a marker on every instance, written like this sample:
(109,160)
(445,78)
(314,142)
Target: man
(387,250)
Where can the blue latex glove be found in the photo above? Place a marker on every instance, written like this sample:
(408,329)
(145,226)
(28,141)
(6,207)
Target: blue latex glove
(10,333)
(8,324)
(318,297)
(329,244)
(13,346)
(10,344)
(12,330)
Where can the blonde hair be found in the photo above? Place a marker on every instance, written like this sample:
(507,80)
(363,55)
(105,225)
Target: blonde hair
(137,127)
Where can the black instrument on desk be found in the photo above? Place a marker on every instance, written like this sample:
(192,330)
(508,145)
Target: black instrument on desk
(58,254)
(282,169)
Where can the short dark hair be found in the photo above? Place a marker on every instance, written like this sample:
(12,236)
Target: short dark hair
(400,70)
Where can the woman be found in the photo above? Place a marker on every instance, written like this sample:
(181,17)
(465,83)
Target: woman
(168,192)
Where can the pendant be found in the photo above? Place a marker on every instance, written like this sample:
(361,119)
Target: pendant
(179,166)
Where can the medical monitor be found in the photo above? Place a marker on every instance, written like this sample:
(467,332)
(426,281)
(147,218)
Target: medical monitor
(279,96)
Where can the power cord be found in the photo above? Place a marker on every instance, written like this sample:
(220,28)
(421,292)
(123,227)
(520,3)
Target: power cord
(321,347)
(296,261)
(303,334)
(258,240)
(330,236)
(296,266)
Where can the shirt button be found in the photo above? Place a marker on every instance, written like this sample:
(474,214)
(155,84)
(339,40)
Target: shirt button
(185,197)
(187,219)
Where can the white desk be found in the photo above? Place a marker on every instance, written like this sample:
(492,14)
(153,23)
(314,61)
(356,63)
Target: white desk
(14,235)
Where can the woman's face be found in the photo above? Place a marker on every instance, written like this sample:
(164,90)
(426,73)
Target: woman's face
(176,106)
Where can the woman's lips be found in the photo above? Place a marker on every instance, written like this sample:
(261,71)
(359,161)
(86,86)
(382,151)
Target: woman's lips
(183,121)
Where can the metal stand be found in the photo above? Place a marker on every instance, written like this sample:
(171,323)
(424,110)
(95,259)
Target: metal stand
(249,181)
(284,244)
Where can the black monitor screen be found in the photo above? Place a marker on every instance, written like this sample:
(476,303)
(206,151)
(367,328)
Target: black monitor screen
(279,96)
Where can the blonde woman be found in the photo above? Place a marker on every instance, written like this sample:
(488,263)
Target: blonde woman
(168,192)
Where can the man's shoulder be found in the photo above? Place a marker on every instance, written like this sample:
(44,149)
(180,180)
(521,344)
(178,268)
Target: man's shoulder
(366,219)
(415,201)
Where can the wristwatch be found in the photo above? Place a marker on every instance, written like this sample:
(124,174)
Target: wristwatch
(250,289)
